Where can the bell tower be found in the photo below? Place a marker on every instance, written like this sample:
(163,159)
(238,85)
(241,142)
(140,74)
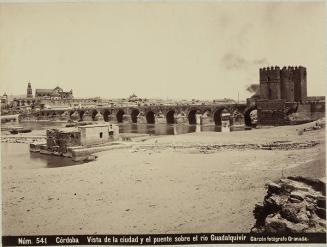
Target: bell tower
(29,91)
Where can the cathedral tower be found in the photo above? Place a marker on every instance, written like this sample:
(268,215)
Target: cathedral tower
(29,91)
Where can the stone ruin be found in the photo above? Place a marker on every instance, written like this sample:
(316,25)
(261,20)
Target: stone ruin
(293,205)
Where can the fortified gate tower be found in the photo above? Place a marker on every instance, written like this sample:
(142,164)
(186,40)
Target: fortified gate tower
(288,83)
(283,97)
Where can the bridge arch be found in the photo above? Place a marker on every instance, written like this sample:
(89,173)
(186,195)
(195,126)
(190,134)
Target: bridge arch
(106,114)
(74,115)
(192,116)
(81,114)
(170,116)
(134,114)
(150,117)
(120,116)
(247,116)
(217,115)
(94,113)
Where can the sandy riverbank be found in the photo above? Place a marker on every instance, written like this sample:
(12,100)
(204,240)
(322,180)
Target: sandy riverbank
(158,190)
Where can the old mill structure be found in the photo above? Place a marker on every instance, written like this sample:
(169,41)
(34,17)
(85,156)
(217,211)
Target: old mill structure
(77,142)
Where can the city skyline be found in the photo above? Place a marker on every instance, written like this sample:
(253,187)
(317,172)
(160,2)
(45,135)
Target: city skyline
(158,50)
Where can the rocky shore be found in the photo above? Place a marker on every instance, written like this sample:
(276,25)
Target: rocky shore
(294,204)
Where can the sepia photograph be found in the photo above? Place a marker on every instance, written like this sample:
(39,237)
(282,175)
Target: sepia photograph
(162,122)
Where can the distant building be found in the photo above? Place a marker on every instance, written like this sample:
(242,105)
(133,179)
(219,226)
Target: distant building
(56,94)
(4,101)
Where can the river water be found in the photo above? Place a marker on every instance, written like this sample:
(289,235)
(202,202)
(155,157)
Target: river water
(17,155)
(152,129)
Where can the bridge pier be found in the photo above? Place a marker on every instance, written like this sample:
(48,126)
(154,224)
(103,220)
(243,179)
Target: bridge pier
(87,116)
(127,118)
(98,117)
(181,118)
(141,118)
(65,116)
(112,118)
(75,116)
(160,118)
(56,116)
(198,118)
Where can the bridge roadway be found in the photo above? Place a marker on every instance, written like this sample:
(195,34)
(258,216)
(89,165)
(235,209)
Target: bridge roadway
(151,114)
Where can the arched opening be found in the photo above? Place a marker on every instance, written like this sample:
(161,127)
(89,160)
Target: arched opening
(250,116)
(192,117)
(134,115)
(170,117)
(237,118)
(106,114)
(94,113)
(150,117)
(81,114)
(120,116)
(217,116)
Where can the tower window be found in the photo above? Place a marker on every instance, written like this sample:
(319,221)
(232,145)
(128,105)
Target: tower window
(101,134)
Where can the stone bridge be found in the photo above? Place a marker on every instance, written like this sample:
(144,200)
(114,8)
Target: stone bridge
(153,114)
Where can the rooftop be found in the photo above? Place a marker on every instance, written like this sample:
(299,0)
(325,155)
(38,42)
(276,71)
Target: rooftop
(67,130)
(94,125)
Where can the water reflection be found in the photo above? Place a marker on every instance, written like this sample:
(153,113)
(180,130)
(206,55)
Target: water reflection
(18,156)
(53,161)
(34,125)
(170,129)
(151,129)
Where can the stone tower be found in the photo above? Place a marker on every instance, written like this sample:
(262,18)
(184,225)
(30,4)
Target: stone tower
(29,91)
(270,83)
(288,83)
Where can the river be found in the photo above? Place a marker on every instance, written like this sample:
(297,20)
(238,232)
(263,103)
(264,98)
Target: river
(153,129)
(17,155)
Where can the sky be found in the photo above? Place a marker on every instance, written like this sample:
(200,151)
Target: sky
(188,50)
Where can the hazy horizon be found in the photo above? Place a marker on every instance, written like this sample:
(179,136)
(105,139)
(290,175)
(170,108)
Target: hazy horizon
(187,50)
